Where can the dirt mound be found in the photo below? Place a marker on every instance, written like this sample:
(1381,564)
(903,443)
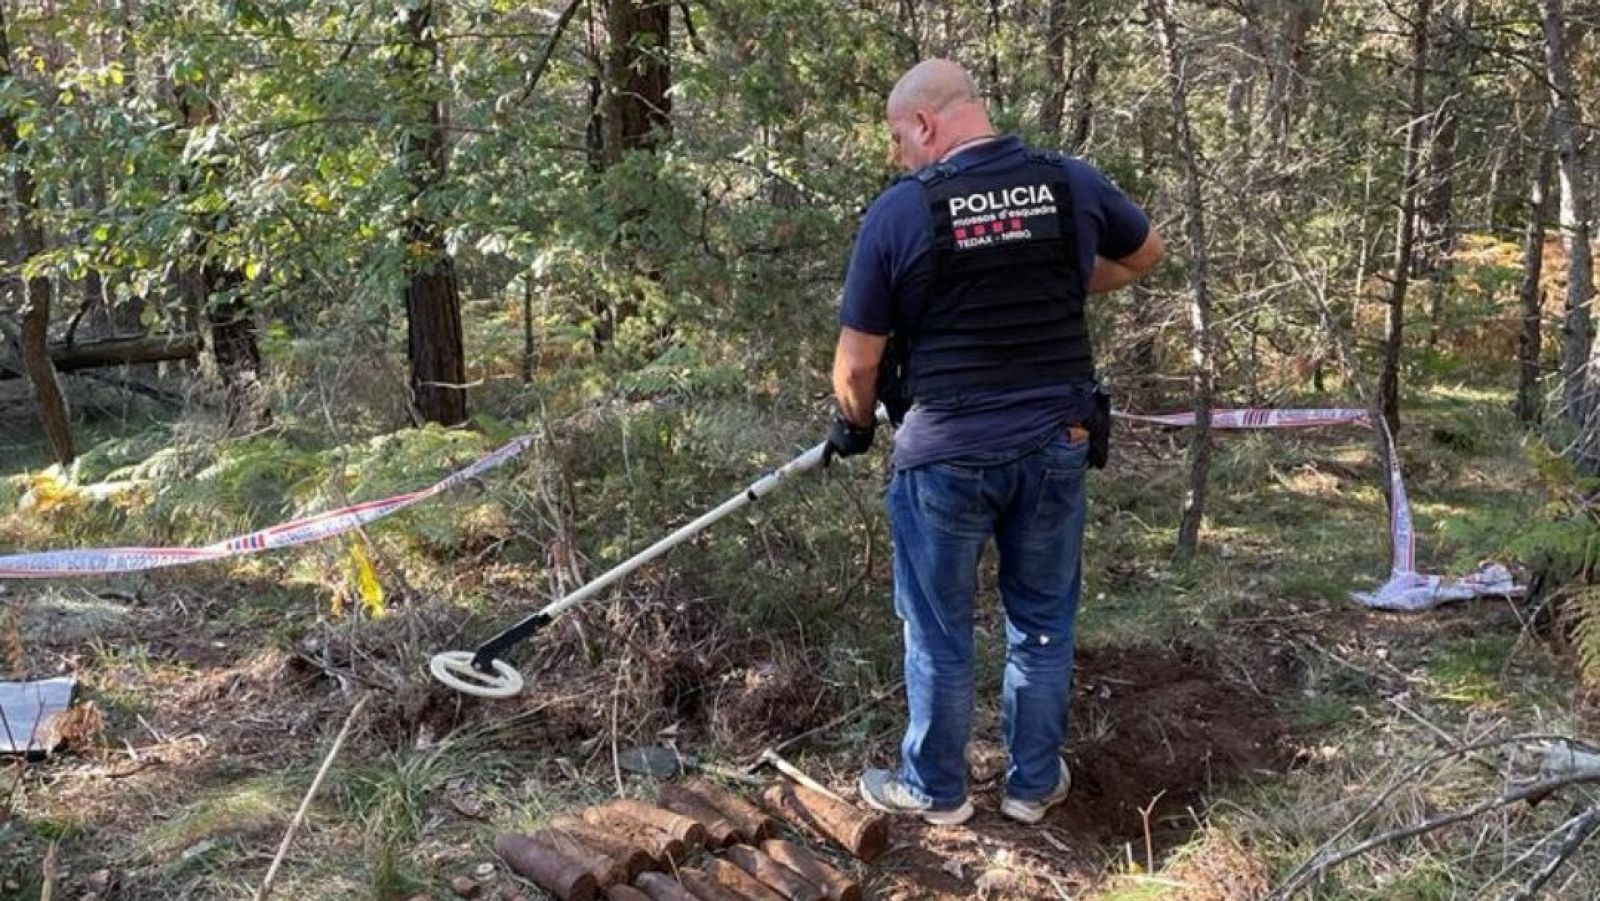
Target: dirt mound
(759,703)
(1154,728)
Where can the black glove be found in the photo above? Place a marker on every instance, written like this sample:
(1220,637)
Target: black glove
(847,439)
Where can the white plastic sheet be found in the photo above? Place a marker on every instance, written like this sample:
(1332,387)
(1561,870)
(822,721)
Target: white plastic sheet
(28,711)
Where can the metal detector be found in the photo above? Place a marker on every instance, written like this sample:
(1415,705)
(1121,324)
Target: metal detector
(485,674)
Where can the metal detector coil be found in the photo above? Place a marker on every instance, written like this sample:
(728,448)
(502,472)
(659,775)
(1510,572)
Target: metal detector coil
(486,674)
(455,669)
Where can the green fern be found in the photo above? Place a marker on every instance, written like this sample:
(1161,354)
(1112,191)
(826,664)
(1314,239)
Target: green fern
(240,484)
(1563,549)
(1562,544)
(1582,612)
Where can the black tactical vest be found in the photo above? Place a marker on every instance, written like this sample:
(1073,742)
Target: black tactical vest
(1005,308)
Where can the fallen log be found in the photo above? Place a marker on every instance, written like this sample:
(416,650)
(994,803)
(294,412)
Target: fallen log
(113,352)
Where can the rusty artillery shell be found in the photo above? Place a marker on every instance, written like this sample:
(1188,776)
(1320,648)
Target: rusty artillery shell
(661,887)
(553,871)
(684,829)
(751,821)
(706,887)
(605,869)
(625,893)
(838,886)
(742,882)
(720,831)
(634,858)
(774,875)
(863,834)
(660,845)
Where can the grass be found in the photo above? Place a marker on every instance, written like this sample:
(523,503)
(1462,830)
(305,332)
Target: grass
(1322,711)
(1471,670)
(260,804)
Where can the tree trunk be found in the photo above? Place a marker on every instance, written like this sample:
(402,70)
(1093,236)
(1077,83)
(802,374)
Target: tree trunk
(1530,295)
(1085,77)
(211,294)
(638,107)
(638,75)
(34,336)
(1453,54)
(1576,227)
(1145,390)
(433,331)
(1203,374)
(1416,131)
(996,87)
(235,351)
(1436,225)
(594,126)
(432,297)
(1056,27)
(53,413)
(1143,386)
(527,327)
(93,318)
(1286,64)
(1071,69)
(911,24)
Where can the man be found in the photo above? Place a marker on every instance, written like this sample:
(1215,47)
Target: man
(979,265)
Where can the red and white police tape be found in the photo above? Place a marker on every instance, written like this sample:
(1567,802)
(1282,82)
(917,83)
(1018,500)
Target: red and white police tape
(1406,589)
(104,561)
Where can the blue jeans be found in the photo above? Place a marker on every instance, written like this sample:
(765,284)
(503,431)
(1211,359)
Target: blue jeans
(1031,501)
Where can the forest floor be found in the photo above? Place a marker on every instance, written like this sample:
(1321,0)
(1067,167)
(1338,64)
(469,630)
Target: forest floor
(1229,717)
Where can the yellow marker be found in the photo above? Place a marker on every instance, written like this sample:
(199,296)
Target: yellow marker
(367,585)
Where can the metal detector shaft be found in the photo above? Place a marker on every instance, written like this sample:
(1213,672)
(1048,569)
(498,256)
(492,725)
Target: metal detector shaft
(483,659)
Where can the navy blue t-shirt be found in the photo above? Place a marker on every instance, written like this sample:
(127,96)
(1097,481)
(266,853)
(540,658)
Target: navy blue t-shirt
(887,285)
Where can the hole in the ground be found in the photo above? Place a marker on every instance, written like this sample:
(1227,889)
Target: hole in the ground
(1155,729)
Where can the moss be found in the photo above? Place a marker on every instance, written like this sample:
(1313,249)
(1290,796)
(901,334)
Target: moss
(257,805)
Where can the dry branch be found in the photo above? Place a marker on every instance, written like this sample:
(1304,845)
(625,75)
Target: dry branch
(1577,833)
(1533,792)
(305,803)
(1318,861)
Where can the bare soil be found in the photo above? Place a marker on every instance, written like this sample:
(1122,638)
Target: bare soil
(1155,729)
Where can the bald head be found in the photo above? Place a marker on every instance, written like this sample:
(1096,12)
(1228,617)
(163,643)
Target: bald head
(933,84)
(934,107)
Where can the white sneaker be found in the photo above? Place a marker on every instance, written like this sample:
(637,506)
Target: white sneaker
(1033,811)
(884,790)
